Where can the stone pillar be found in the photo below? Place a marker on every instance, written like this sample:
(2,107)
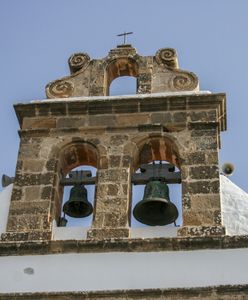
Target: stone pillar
(111,215)
(144,79)
(31,202)
(200,184)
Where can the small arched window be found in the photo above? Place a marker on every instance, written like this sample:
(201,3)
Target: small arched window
(125,85)
(124,66)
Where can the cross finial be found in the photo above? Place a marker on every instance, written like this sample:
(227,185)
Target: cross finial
(124,36)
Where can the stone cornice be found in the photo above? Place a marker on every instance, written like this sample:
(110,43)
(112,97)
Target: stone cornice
(119,105)
(211,292)
(123,245)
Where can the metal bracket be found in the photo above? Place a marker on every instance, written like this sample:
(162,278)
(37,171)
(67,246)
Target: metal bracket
(78,177)
(164,172)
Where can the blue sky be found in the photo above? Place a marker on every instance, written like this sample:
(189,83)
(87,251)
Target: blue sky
(37,38)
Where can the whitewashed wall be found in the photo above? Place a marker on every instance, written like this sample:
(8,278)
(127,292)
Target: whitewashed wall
(110,271)
(5,196)
(234,207)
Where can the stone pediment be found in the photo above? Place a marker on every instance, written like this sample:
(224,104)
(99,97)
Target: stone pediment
(92,77)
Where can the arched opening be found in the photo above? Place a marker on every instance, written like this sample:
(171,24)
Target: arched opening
(124,66)
(125,85)
(77,167)
(157,152)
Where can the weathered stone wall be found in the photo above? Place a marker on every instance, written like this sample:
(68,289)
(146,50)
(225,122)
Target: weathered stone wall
(110,135)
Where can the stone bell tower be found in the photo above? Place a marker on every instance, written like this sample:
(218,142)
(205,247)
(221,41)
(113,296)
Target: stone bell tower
(168,119)
(79,124)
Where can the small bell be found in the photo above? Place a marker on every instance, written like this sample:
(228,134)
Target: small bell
(156,209)
(78,205)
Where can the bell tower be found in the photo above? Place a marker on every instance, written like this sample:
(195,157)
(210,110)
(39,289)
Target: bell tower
(168,119)
(104,148)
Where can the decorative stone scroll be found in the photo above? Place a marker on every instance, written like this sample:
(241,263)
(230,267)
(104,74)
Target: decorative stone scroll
(155,74)
(59,89)
(167,56)
(184,81)
(78,61)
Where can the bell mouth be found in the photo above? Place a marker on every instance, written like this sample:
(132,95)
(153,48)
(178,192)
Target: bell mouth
(78,209)
(155,212)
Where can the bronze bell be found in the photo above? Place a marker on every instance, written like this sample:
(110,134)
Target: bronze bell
(78,205)
(155,208)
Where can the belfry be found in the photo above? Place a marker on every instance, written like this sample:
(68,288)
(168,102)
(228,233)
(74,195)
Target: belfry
(167,133)
(117,135)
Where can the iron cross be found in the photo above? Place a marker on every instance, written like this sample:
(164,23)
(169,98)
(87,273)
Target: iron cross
(125,35)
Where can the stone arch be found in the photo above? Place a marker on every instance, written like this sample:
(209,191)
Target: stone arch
(72,154)
(157,147)
(162,147)
(75,154)
(121,66)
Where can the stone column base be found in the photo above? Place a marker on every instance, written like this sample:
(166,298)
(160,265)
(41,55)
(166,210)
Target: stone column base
(201,231)
(27,236)
(107,233)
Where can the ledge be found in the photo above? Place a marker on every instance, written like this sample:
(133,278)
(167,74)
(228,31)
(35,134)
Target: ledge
(124,97)
(123,245)
(211,292)
(124,104)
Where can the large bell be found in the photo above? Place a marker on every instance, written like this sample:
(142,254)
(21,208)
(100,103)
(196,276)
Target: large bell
(155,208)
(78,206)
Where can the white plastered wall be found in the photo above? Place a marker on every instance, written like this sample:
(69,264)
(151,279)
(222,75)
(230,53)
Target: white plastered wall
(111,271)
(234,207)
(5,197)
